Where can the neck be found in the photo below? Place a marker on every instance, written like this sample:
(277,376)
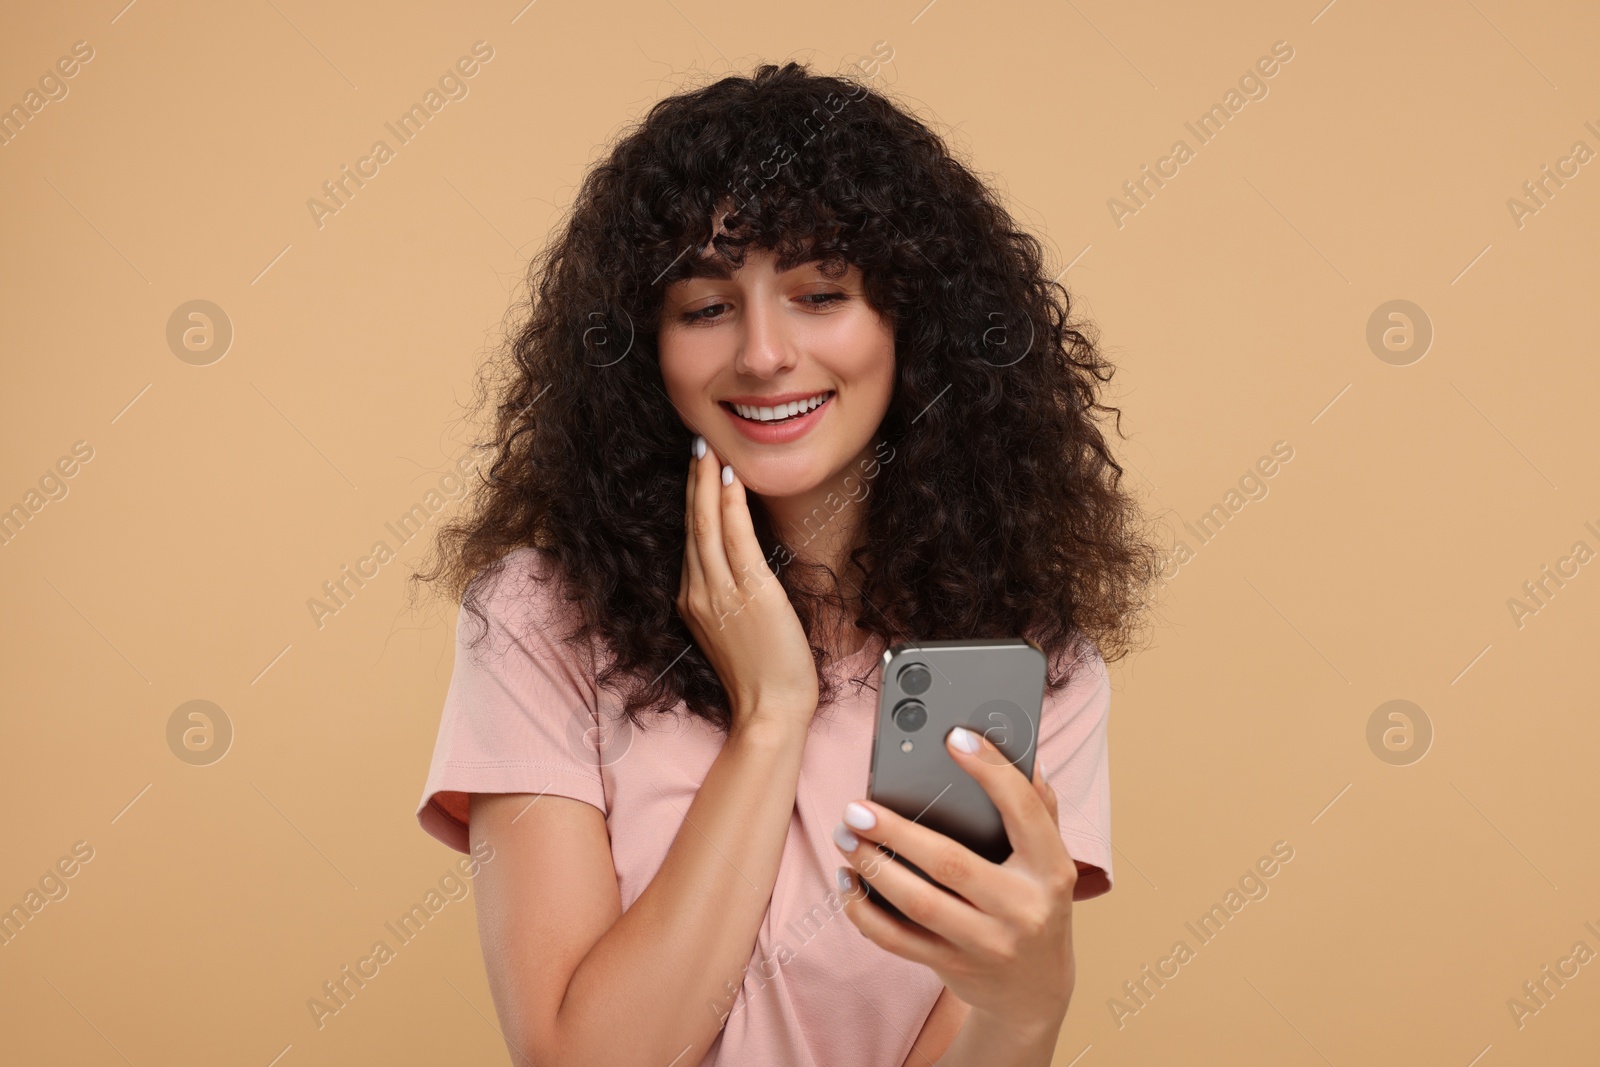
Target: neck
(821,526)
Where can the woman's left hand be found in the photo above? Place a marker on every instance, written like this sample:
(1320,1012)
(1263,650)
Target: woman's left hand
(1004,945)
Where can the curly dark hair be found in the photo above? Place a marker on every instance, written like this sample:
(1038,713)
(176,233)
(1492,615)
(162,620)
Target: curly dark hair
(1001,512)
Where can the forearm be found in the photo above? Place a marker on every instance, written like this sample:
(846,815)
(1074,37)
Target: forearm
(984,1041)
(675,957)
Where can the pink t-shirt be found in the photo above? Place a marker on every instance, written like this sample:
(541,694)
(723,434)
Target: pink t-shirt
(528,718)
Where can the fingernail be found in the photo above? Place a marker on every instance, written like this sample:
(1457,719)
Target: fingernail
(699,446)
(727,475)
(842,876)
(860,817)
(845,839)
(964,739)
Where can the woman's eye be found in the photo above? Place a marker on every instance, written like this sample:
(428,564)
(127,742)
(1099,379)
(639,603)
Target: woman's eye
(700,314)
(711,312)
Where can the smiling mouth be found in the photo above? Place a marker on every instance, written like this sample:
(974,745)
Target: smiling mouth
(769,416)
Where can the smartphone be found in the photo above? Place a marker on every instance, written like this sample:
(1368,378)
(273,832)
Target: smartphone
(992,687)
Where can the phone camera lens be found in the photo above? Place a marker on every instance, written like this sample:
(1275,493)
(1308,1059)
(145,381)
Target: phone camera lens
(910,715)
(914,679)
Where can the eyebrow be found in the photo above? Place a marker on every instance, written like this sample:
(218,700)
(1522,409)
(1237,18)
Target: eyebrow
(715,266)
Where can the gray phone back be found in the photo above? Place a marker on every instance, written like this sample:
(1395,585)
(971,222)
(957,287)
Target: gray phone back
(992,687)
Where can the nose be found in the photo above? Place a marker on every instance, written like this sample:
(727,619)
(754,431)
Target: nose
(765,345)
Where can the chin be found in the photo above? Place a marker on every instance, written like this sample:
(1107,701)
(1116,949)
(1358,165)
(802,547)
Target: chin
(780,476)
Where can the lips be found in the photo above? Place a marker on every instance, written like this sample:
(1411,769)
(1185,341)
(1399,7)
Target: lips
(776,409)
(777,430)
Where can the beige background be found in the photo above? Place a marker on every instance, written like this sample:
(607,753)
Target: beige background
(1379,565)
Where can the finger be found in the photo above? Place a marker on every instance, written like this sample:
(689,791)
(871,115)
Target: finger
(944,914)
(1046,792)
(889,933)
(708,527)
(991,888)
(691,551)
(745,561)
(1035,839)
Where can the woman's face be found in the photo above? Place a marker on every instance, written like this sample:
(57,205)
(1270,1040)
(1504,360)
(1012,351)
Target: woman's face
(734,349)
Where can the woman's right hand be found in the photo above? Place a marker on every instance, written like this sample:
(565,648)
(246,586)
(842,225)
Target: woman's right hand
(735,607)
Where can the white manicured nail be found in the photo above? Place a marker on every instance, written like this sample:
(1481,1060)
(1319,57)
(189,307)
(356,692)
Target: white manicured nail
(859,817)
(727,475)
(844,838)
(699,446)
(842,876)
(964,739)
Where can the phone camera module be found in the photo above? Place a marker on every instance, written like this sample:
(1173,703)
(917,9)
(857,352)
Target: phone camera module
(914,679)
(910,715)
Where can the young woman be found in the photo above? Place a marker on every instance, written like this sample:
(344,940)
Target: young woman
(793,387)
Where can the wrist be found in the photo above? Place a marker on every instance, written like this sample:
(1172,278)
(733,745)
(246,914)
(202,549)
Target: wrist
(1018,1035)
(768,729)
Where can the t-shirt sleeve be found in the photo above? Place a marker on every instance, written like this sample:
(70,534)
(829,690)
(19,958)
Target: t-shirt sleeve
(520,710)
(1073,750)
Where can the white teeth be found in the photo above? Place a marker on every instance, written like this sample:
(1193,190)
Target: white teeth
(782,411)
